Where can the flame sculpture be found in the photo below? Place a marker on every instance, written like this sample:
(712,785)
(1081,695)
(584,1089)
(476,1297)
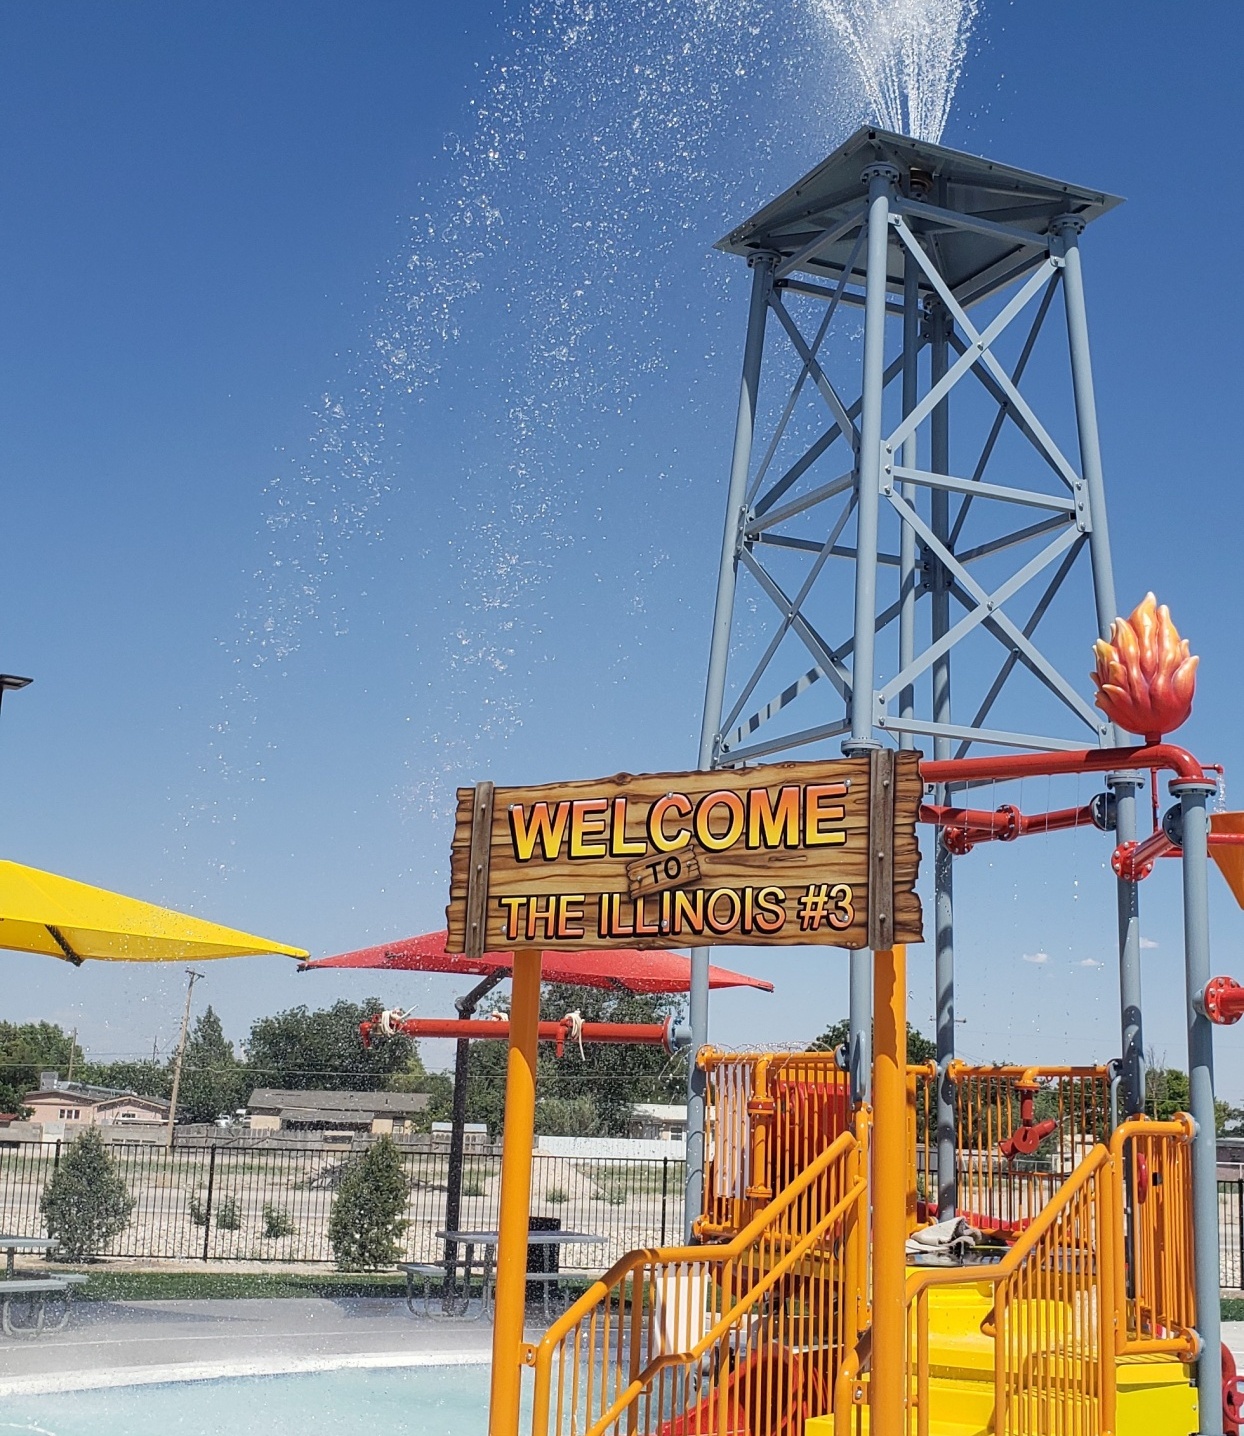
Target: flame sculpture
(1145,675)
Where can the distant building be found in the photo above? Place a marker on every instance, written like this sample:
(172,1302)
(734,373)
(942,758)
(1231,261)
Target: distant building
(657,1121)
(67,1104)
(474,1135)
(272,1109)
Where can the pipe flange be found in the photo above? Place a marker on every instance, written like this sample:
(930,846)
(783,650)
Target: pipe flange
(880,170)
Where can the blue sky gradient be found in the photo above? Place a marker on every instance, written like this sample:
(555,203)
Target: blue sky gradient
(369,382)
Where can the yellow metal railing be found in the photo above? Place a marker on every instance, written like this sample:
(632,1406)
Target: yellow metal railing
(1002,1184)
(740,1339)
(769,1116)
(1066,1298)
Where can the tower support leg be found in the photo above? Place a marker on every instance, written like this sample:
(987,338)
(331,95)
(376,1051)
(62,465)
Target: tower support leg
(943,860)
(714,691)
(881,180)
(1192,801)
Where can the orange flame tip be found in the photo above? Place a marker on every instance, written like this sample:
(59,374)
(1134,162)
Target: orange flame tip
(1145,675)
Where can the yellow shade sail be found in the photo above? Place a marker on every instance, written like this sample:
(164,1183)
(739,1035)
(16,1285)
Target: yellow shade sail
(42,912)
(1229,856)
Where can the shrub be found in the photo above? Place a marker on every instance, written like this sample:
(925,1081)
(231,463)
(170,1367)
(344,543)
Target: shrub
(228,1214)
(557,1196)
(198,1212)
(277,1223)
(367,1217)
(85,1204)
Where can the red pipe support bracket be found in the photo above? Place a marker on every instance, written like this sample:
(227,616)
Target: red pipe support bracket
(1223,1001)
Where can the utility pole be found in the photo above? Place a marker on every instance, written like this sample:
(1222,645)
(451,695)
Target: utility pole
(73,1047)
(181,1052)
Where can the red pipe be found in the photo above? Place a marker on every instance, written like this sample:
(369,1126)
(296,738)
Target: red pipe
(649,1034)
(963,828)
(1223,1000)
(1001,766)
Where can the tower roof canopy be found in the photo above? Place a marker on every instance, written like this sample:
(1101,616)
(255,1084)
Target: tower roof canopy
(976,212)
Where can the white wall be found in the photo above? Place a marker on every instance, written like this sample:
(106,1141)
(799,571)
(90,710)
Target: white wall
(612,1148)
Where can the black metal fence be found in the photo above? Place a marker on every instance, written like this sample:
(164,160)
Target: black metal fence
(225,1202)
(1231,1233)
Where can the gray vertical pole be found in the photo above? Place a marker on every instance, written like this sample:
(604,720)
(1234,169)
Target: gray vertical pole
(1193,795)
(714,693)
(943,860)
(1070,227)
(907,538)
(1126,787)
(880,180)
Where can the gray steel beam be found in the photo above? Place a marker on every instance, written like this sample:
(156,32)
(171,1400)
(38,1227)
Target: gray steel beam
(1192,803)
(881,181)
(943,861)
(907,579)
(714,694)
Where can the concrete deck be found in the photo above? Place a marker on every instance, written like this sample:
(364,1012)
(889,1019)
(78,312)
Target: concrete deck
(143,1342)
(139,1342)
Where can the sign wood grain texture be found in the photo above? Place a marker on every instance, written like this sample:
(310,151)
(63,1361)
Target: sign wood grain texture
(774,855)
(777,855)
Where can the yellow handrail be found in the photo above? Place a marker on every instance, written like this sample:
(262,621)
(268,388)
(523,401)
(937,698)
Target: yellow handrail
(1098,1187)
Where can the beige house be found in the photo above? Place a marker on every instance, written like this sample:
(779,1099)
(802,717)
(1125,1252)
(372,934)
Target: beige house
(274,1109)
(78,1105)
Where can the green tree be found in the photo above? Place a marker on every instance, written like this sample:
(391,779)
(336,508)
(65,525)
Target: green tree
(143,1077)
(85,1204)
(26,1049)
(368,1215)
(568,1116)
(614,1077)
(920,1049)
(213,1082)
(299,1048)
(1168,1091)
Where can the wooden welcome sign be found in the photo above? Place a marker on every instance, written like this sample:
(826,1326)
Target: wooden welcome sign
(783,854)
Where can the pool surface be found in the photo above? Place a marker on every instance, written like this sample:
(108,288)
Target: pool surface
(403,1401)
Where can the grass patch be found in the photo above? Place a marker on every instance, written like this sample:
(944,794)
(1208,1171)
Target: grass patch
(1233,1308)
(219,1285)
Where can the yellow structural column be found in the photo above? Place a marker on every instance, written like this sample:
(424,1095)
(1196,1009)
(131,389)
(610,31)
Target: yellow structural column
(888,1386)
(517,1137)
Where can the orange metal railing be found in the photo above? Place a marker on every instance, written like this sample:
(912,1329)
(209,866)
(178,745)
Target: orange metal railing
(1002,1185)
(739,1339)
(770,1115)
(1154,1292)
(1081,1285)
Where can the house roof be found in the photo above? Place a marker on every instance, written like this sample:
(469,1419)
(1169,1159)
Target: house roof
(316,1105)
(67,1097)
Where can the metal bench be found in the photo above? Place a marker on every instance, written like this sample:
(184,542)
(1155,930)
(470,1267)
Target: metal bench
(34,1293)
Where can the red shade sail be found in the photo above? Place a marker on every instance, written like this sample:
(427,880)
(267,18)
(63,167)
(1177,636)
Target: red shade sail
(623,969)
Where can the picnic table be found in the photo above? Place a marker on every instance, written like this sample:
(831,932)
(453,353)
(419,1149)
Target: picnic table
(486,1243)
(11,1245)
(32,1292)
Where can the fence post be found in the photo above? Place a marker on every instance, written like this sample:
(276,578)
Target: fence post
(665,1185)
(56,1157)
(207,1205)
(1239,1247)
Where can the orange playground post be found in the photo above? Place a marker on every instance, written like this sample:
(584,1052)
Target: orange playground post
(519,1132)
(888,1386)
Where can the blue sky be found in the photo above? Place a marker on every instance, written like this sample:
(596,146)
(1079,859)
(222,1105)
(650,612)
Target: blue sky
(368,382)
